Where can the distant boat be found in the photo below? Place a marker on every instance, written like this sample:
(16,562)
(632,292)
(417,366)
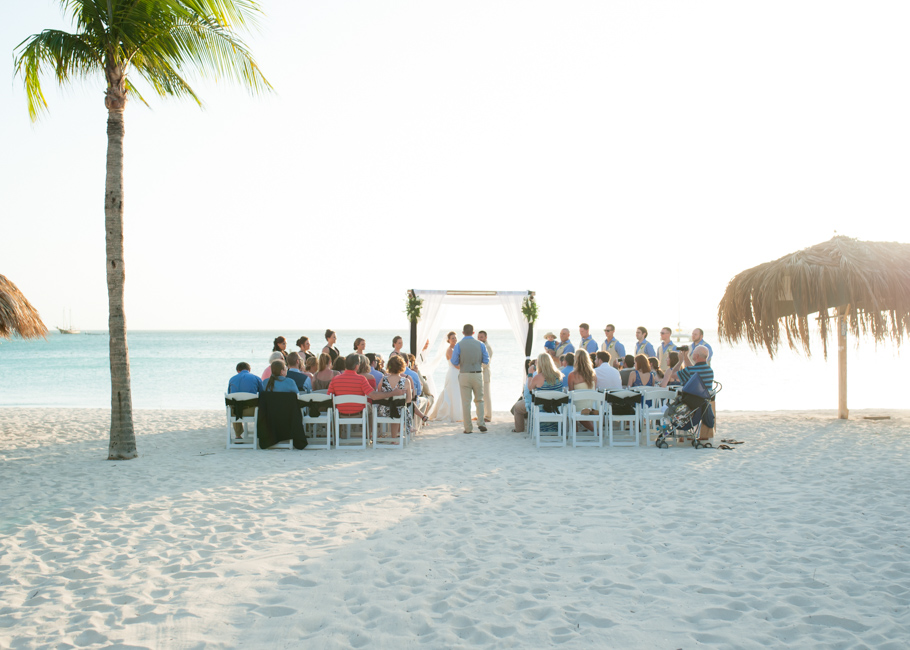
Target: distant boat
(68,325)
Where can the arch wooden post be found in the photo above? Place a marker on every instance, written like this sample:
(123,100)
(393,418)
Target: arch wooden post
(842,412)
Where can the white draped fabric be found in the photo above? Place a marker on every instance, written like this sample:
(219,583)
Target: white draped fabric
(432,315)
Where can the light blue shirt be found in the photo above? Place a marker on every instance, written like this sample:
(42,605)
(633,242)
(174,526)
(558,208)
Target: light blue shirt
(565,376)
(283,385)
(704,343)
(589,344)
(456,355)
(564,347)
(307,386)
(645,348)
(418,389)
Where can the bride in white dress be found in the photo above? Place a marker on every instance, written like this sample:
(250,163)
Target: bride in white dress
(447,408)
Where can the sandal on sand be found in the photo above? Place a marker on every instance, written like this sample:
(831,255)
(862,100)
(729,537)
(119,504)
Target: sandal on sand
(726,447)
(732,441)
(425,419)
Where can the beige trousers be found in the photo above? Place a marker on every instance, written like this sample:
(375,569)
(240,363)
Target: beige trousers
(471,382)
(249,411)
(487,400)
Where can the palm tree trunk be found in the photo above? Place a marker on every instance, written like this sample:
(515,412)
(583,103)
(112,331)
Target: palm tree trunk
(123,439)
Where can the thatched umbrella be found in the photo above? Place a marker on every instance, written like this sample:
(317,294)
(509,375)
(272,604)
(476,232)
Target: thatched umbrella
(17,316)
(867,283)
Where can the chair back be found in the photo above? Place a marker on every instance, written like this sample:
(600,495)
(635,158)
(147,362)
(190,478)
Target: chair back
(350,399)
(586,395)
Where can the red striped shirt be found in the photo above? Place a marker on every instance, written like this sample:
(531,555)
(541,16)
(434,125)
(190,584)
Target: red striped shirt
(349,383)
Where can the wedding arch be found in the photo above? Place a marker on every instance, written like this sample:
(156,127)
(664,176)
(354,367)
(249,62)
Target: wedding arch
(426,313)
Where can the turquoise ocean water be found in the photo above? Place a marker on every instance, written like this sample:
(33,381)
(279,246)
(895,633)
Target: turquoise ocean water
(190,369)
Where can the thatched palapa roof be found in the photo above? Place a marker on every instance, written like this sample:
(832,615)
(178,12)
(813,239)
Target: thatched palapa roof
(772,300)
(17,316)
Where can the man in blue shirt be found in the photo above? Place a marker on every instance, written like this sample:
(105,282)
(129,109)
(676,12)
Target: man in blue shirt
(698,338)
(643,346)
(587,341)
(612,345)
(295,372)
(568,365)
(665,348)
(565,345)
(687,367)
(374,364)
(244,382)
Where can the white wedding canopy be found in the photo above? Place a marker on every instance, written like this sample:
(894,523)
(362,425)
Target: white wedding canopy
(433,311)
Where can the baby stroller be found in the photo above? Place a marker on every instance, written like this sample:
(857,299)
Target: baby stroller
(685,414)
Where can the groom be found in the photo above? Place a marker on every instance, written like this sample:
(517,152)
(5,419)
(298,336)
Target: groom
(469,356)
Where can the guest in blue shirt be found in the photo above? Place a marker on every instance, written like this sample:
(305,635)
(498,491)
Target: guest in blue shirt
(568,365)
(375,360)
(244,382)
(612,345)
(279,382)
(698,338)
(565,345)
(296,373)
(643,346)
(587,341)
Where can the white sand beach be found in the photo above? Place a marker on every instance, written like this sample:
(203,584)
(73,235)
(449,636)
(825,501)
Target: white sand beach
(797,538)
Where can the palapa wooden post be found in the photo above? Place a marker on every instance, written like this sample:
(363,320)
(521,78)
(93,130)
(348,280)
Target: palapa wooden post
(842,412)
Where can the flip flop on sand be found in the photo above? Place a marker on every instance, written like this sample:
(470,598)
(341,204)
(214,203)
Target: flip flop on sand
(733,442)
(725,447)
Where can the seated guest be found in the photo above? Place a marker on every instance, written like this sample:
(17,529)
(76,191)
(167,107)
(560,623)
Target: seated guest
(547,378)
(304,344)
(641,375)
(587,341)
(410,370)
(338,365)
(372,358)
(664,349)
(628,365)
(330,348)
(686,367)
(397,342)
(396,380)
(268,369)
(567,364)
(324,373)
(519,410)
(364,370)
(244,382)
(655,367)
(612,345)
(643,346)
(673,358)
(565,345)
(698,338)
(350,383)
(310,366)
(607,376)
(582,378)
(278,381)
(360,345)
(304,385)
(280,345)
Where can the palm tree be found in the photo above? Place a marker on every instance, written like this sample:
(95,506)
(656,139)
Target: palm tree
(160,41)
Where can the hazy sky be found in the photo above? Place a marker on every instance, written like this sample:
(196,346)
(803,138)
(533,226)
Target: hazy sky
(580,149)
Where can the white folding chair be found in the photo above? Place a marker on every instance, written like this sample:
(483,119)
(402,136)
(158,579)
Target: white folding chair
(324,419)
(541,416)
(586,438)
(654,413)
(631,419)
(249,440)
(350,421)
(378,422)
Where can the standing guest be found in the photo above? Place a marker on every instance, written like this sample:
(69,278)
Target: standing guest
(364,370)
(360,345)
(280,344)
(641,375)
(310,366)
(565,345)
(396,380)
(628,365)
(582,378)
(643,346)
(374,364)
(612,345)
(295,372)
(488,400)
(568,365)
(244,382)
(278,381)
(304,344)
(397,342)
(330,348)
(664,349)
(268,369)
(468,356)
(608,377)
(587,341)
(698,338)
(338,365)
(324,373)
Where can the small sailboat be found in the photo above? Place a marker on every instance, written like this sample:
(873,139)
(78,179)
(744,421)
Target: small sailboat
(68,325)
